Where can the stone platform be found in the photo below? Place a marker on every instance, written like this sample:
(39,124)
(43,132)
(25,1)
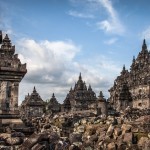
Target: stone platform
(7,119)
(15,123)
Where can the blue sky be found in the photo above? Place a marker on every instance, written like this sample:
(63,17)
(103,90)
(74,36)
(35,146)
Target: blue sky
(58,39)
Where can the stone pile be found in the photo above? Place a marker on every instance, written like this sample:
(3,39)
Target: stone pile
(78,133)
(11,139)
(109,134)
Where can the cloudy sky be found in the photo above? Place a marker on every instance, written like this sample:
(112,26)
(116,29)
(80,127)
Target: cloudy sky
(58,39)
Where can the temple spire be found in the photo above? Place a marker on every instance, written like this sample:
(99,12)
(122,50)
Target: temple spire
(34,90)
(6,38)
(144,46)
(133,59)
(124,68)
(101,94)
(6,41)
(89,88)
(80,77)
(53,95)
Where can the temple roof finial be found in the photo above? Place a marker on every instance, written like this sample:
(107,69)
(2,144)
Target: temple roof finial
(124,68)
(34,90)
(6,36)
(144,41)
(144,46)
(6,40)
(80,77)
(53,95)
(133,59)
(101,94)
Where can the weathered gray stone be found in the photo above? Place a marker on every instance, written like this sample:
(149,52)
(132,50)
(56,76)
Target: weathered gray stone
(149,135)
(144,143)
(75,137)
(119,141)
(102,136)
(126,128)
(37,146)
(88,148)
(84,121)
(147,145)
(99,130)
(112,146)
(47,126)
(5,135)
(117,131)
(122,147)
(41,146)
(90,130)
(110,130)
(14,141)
(93,138)
(5,148)
(17,134)
(81,129)
(128,137)
(53,137)
(74,147)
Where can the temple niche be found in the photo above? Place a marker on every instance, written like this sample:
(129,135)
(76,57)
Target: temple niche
(11,73)
(132,88)
(79,98)
(33,105)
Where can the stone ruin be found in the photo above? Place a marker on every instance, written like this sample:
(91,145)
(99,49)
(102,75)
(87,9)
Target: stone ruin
(132,88)
(11,74)
(33,105)
(75,127)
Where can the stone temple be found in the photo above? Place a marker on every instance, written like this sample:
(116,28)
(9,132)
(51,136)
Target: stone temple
(33,105)
(11,73)
(132,88)
(80,97)
(53,106)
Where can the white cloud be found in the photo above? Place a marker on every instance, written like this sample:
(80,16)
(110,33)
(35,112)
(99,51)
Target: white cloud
(48,64)
(46,55)
(112,24)
(80,15)
(111,41)
(52,67)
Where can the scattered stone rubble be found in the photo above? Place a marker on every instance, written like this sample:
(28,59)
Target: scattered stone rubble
(77,132)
